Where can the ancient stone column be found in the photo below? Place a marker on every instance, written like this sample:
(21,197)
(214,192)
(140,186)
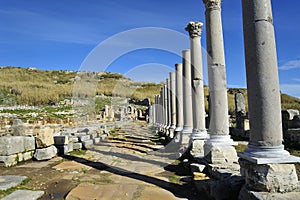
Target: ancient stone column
(264,158)
(155,116)
(187,99)
(240,110)
(218,148)
(199,130)
(179,98)
(169,106)
(166,114)
(160,110)
(173,104)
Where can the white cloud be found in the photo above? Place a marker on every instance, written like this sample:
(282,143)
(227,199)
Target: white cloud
(292,64)
(296,79)
(291,89)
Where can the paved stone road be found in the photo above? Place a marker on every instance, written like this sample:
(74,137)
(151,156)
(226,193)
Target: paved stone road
(132,169)
(126,165)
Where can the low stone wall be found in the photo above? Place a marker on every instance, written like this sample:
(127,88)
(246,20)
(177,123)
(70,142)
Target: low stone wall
(45,142)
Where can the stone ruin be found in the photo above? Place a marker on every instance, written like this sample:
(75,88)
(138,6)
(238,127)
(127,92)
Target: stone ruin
(264,170)
(291,127)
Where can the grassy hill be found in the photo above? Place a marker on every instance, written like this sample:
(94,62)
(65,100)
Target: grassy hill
(19,86)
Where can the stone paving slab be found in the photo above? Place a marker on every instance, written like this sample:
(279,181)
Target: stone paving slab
(71,165)
(10,181)
(158,193)
(24,195)
(102,192)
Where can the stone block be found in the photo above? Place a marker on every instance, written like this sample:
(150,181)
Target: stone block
(28,155)
(84,138)
(73,139)
(246,194)
(61,140)
(269,177)
(29,143)
(11,145)
(24,194)
(197,149)
(87,143)
(44,137)
(10,181)
(77,145)
(18,128)
(10,160)
(221,154)
(96,140)
(45,153)
(70,147)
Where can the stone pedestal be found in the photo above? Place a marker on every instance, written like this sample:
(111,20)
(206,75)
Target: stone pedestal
(269,177)
(199,133)
(219,122)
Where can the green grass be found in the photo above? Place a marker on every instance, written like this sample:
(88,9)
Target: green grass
(79,152)
(42,87)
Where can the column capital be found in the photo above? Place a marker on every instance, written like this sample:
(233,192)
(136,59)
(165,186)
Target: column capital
(194,29)
(210,4)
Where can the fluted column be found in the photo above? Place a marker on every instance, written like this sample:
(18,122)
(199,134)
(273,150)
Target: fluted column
(187,98)
(219,121)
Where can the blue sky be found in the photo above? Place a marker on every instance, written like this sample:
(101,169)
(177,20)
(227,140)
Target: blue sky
(64,34)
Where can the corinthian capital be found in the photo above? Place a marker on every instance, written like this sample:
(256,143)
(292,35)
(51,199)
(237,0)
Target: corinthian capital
(194,29)
(209,4)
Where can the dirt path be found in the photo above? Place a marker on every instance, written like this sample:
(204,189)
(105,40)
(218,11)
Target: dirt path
(127,165)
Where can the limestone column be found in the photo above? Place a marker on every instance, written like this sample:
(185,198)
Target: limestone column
(262,84)
(169,105)
(156,110)
(173,104)
(187,98)
(199,130)
(264,158)
(218,148)
(166,115)
(179,98)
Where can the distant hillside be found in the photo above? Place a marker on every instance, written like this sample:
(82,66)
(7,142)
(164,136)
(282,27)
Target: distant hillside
(42,87)
(19,86)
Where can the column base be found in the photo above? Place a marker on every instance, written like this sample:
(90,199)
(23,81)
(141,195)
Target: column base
(271,178)
(172,131)
(177,133)
(197,144)
(268,155)
(199,135)
(186,134)
(218,149)
(197,149)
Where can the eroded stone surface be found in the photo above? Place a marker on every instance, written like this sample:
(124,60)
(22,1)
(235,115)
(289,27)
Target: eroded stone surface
(24,194)
(45,153)
(269,177)
(10,181)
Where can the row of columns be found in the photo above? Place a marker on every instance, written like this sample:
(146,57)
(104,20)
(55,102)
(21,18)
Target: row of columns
(180,111)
